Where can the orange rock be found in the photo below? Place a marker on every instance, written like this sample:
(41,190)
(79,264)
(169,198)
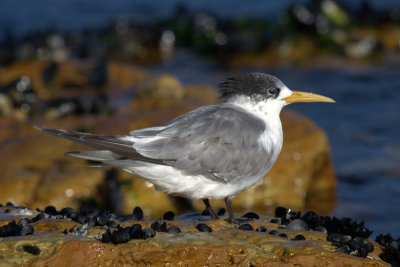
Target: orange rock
(160,93)
(124,75)
(71,75)
(20,188)
(225,245)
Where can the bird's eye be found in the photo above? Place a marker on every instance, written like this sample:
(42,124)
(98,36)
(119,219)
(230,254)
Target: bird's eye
(272,91)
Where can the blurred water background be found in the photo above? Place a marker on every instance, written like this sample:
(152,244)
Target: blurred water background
(23,16)
(363,126)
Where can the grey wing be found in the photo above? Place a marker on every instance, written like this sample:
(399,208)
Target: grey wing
(219,142)
(152,131)
(146,132)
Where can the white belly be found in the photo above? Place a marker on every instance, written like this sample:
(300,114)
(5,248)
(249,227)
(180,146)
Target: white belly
(171,181)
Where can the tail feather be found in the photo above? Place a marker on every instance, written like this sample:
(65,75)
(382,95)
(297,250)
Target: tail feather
(113,143)
(111,146)
(123,163)
(99,155)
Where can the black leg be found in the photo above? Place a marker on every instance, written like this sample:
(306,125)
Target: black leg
(210,210)
(231,218)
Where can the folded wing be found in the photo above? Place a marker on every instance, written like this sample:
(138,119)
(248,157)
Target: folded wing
(219,142)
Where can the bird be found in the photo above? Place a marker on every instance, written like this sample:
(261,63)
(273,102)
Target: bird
(211,152)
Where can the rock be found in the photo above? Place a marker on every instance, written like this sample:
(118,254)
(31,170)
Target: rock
(261,229)
(298,225)
(206,253)
(169,216)
(29,180)
(19,187)
(361,48)
(5,106)
(246,227)
(199,95)
(125,75)
(224,245)
(334,13)
(160,92)
(67,188)
(251,216)
(72,75)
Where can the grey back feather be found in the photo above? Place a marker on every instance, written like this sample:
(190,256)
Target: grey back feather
(219,142)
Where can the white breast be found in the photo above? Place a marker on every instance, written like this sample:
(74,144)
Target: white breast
(171,181)
(268,111)
(272,138)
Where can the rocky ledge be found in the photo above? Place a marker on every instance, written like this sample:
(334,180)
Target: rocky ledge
(99,238)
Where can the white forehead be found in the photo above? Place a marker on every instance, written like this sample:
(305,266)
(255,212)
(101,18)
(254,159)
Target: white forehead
(285,92)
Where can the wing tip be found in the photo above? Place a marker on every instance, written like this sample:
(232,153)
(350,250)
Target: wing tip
(48,130)
(71,154)
(40,128)
(79,155)
(44,129)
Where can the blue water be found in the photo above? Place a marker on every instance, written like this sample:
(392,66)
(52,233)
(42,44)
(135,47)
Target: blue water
(363,126)
(24,16)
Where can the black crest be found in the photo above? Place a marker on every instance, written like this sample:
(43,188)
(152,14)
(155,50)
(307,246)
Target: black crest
(249,84)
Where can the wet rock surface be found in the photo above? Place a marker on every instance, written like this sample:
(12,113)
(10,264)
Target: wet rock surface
(187,239)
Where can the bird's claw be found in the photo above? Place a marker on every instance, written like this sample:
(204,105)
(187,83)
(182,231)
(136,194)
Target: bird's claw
(235,220)
(213,217)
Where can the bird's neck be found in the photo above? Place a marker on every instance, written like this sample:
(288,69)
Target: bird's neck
(267,111)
